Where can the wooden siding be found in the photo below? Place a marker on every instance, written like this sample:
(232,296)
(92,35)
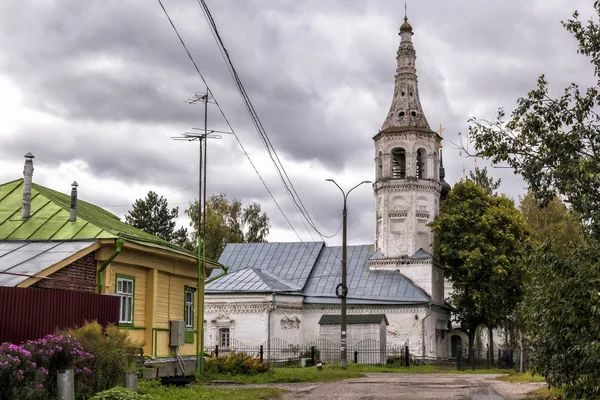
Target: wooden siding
(139,273)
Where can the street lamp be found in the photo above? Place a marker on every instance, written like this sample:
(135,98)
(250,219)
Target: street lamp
(344,289)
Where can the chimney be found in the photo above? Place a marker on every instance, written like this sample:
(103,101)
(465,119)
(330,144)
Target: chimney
(27,177)
(73,216)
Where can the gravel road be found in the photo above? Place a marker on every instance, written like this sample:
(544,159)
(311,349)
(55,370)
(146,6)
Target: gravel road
(412,386)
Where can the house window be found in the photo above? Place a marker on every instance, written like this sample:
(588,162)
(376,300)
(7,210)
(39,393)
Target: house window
(125,288)
(224,337)
(189,308)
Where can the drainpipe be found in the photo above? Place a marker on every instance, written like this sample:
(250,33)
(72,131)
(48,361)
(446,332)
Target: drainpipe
(423,332)
(271,308)
(119,242)
(225,269)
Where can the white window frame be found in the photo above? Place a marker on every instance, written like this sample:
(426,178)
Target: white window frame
(125,299)
(224,333)
(189,308)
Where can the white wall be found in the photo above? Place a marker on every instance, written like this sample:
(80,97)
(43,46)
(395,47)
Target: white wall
(248,316)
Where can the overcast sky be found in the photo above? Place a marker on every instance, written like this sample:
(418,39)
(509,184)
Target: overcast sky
(96,89)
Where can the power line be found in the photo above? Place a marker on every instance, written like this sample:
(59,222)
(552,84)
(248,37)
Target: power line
(285,179)
(226,120)
(233,131)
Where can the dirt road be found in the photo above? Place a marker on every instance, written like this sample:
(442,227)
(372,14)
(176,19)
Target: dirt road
(413,386)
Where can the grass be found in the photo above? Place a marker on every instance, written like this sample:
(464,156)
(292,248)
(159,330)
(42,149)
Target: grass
(545,394)
(198,392)
(521,377)
(333,372)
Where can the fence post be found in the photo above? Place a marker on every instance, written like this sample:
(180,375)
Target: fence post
(487,355)
(355,356)
(406,359)
(65,385)
(458,356)
(217,350)
(312,355)
(261,353)
(499,358)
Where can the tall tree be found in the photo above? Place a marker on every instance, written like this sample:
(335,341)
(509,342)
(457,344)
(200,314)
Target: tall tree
(152,215)
(561,314)
(480,238)
(553,222)
(229,222)
(480,177)
(554,143)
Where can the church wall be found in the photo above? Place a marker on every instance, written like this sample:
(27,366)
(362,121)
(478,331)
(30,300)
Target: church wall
(245,316)
(287,319)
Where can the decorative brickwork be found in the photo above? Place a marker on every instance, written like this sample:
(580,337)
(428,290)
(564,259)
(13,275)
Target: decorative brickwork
(79,276)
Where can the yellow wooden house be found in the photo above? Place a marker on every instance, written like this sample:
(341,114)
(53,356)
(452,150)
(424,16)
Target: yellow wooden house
(52,240)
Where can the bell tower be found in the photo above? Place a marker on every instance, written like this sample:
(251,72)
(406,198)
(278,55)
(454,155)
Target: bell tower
(407,187)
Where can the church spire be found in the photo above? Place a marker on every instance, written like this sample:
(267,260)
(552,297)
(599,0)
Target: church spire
(406,110)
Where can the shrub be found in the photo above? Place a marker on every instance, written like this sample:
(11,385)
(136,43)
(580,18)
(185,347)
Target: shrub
(236,364)
(120,393)
(19,374)
(114,354)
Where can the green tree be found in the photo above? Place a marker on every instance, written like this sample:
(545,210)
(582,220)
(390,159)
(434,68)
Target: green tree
(480,239)
(561,313)
(152,215)
(229,222)
(480,177)
(554,222)
(554,143)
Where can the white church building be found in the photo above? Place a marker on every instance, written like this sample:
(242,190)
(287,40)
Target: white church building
(395,294)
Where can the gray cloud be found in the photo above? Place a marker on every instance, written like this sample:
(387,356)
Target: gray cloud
(107,81)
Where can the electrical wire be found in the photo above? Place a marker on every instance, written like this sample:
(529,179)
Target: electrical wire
(284,177)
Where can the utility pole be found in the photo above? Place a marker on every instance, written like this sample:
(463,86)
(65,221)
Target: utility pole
(342,289)
(202,138)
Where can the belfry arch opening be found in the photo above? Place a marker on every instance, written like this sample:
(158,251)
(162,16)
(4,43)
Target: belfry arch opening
(380,166)
(398,163)
(421,164)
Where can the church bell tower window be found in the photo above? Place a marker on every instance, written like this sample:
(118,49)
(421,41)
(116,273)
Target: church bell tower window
(421,158)
(398,163)
(380,166)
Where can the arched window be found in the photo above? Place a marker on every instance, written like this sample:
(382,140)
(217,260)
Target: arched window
(398,163)
(380,166)
(421,164)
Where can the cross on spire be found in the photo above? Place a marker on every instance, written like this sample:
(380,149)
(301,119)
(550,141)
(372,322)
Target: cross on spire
(405,17)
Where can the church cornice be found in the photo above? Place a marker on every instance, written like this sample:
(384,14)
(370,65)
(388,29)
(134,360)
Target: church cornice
(397,185)
(402,131)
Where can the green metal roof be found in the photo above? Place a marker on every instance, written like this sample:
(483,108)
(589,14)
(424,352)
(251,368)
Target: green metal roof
(49,219)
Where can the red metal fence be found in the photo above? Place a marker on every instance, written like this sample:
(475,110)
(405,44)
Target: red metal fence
(31,313)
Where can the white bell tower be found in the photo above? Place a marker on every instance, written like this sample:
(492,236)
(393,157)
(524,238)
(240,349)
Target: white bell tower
(407,188)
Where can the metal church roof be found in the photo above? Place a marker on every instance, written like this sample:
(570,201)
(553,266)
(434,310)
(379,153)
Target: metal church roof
(313,269)
(292,262)
(251,280)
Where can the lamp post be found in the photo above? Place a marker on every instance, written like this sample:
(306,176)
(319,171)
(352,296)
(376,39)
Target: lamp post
(342,288)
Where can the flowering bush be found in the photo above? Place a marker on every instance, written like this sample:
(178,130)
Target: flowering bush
(29,371)
(19,374)
(55,353)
